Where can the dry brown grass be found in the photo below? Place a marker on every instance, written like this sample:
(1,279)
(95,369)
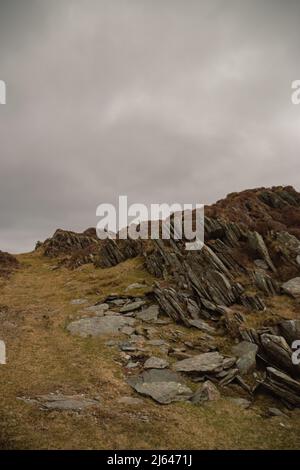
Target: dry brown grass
(44,358)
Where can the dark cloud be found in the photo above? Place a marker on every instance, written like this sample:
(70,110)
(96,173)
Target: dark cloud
(166,101)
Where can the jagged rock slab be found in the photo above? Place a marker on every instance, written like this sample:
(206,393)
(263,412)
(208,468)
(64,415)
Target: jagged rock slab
(292,287)
(78,301)
(172,303)
(282,385)
(164,392)
(149,314)
(203,326)
(206,362)
(265,283)
(99,308)
(131,307)
(135,285)
(290,330)
(206,392)
(260,263)
(241,402)
(155,375)
(163,385)
(252,302)
(233,321)
(99,326)
(155,363)
(63,402)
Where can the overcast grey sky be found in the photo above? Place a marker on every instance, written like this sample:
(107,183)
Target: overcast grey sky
(164,101)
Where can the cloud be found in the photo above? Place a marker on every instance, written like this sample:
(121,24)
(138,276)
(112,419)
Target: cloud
(164,101)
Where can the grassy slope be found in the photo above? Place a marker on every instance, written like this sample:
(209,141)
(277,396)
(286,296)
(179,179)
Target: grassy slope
(43,358)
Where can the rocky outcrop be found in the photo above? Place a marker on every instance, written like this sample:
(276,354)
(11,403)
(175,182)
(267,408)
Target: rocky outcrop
(206,392)
(72,249)
(261,209)
(8,264)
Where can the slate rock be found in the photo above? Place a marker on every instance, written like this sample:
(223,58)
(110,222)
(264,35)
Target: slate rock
(290,330)
(282,385)
(242,402)
(260,263)
(206,362)
(157,342)
(278,351)
(292,287)
(78,301)
(131,401)
(99,326)
(132,306)
(127,330)
(149,314)
(99,308)
(203,326)
(206,392)
(246,352)
(164,392)
(155,363)
(66,402)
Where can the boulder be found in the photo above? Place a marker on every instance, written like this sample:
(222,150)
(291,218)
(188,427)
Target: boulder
(206,362)
(131,401)
(206,392)
(132,306)
(164,392)
(292,287)
(99,326)
(155,363)
(149,314)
